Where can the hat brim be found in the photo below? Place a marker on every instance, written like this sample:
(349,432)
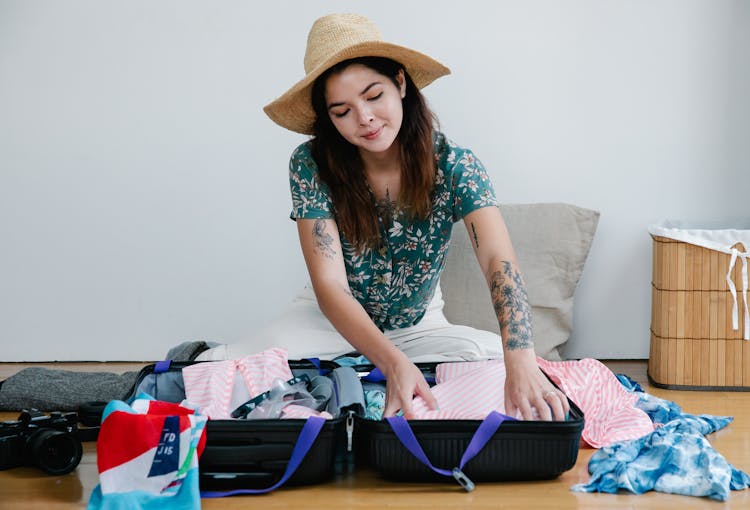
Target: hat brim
(293,110)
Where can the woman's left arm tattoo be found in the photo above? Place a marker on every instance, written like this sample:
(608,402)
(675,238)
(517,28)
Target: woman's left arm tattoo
(322,240)
(512,307)
(474,233)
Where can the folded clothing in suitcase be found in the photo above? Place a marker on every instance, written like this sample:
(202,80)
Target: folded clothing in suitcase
(497,448)
(258,455)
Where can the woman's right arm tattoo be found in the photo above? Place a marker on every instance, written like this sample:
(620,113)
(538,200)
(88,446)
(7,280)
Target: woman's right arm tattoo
(322,240)
(512,307)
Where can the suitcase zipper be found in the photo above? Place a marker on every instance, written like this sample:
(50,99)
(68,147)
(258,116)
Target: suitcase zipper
(349,430)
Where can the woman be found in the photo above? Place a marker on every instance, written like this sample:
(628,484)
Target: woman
(375,193)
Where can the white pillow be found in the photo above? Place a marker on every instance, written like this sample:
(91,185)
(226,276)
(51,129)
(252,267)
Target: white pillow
(551,242)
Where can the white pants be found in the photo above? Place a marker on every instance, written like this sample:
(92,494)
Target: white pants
(305,332)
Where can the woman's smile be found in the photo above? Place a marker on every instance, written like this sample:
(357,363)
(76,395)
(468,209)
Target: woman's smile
(372,135)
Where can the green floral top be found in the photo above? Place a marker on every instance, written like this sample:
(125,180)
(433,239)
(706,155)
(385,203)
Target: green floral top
(396,283)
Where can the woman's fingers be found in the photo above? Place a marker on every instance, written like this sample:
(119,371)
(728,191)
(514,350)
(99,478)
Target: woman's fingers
(406,407)
(558,403)
(391,406)
(552,404)
(392,402)
(423,390)
(537,403)
(524,406)
(543,409)
(399,395)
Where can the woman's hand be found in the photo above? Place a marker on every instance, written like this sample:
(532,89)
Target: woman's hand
(526,387)
(404,381)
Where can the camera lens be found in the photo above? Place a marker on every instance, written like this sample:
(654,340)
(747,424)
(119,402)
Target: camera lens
(53,451)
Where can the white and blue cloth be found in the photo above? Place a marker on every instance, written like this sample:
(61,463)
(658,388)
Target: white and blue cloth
(676,458)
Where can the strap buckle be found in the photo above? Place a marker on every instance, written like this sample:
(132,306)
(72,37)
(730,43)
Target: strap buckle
(463,480)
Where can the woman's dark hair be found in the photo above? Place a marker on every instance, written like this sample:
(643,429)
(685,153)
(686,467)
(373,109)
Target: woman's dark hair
(342,169)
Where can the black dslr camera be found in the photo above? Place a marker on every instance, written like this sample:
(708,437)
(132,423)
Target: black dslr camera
(47,441)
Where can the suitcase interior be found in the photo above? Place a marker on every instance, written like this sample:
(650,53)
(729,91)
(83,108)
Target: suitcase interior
(253,454)
(519,450)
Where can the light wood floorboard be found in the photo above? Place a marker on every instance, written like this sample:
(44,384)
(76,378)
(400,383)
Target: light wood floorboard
(27,488)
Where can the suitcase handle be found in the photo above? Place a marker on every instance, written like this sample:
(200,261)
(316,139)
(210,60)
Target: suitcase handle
(483,434)
(305,440)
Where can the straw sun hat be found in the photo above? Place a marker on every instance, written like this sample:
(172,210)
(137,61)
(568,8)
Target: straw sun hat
(333,39)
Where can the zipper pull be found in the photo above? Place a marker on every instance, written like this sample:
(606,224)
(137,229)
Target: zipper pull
(463,480)
(349,430)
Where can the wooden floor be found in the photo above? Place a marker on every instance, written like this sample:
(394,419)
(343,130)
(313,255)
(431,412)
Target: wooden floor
(23,488)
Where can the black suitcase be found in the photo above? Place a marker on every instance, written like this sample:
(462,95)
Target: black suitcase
(256,455)
(511,450)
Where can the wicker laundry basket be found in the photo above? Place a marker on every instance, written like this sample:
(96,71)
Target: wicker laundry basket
(699,312)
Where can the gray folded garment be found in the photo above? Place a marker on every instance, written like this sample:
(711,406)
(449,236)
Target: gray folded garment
(49,389)
(321,388)
(347,393)
(188,351)
(61,390)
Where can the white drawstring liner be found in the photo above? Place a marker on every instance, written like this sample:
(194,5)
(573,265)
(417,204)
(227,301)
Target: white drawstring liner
(722,241)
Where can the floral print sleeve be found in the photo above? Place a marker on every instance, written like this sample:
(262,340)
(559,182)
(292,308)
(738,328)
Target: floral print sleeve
(310,196)
(472,188)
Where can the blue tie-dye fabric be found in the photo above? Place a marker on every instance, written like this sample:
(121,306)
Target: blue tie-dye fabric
(659,410)
(629,383)
(675,458)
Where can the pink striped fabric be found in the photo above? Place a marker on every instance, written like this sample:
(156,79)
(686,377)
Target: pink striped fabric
(209,385)
(611,415)
(467,394)
(294,411)
(463,391)
(444,372)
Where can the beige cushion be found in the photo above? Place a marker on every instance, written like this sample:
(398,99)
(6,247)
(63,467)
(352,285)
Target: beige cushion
(551,242)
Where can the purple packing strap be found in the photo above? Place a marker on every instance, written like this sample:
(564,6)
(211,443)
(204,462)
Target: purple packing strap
(162,366)
(316,362)
(305,440)
(377,376)
(483,434)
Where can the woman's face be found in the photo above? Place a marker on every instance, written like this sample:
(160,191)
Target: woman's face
(365,106)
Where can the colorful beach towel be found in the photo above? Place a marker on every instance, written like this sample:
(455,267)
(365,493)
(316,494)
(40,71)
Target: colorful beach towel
(147,456)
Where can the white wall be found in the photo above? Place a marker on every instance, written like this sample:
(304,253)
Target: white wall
(143,192)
